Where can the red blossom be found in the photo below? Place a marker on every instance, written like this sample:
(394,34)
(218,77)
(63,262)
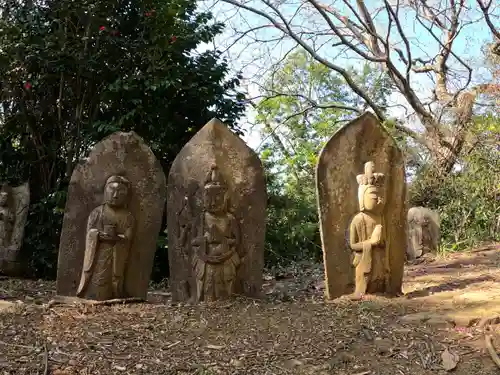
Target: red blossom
(173,39)
(102,28)
(147,14)
(27,85)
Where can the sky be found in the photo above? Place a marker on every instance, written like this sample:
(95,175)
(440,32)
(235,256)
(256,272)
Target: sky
(256,58)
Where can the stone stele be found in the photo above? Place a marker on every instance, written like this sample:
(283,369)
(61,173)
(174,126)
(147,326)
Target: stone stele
(112,218)
(340,162)
(14,206)
(423,232)
(216,212)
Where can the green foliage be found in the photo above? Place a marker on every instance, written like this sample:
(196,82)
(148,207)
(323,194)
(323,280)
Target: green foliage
(292,231)
(468,200)
(304,103)
(71,73)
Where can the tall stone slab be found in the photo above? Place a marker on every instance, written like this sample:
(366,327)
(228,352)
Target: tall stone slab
(216,217)
(14,207)
(339,175)
(123,168)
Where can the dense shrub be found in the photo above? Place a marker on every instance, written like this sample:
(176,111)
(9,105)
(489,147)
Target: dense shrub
(72,72)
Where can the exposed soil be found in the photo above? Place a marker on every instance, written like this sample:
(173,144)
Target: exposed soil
(290,331)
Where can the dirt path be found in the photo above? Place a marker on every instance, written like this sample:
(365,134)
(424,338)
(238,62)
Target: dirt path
(291,331)
(463,288)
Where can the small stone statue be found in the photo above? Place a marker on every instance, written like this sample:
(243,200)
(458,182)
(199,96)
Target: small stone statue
(14,205)
(423,232)
(367,235)
(7,217)
(109,235)
(215,256)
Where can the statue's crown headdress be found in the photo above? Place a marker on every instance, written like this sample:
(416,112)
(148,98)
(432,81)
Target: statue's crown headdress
(370,177)
(214,180)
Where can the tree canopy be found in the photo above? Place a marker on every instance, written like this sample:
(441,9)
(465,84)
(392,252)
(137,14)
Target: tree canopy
(74,72)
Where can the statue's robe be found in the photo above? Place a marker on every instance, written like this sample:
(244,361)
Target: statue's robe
(6,225)
(104,262)
(216,259)
(371,265)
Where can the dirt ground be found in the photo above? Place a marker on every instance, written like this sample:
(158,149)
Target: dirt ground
(292,330)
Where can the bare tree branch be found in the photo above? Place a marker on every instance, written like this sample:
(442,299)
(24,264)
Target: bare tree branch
(285,28)
(313,103)
(485,9)
(378,32)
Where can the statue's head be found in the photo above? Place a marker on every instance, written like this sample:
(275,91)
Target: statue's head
(371,190)
(116,191)
(215,191)
(4,195)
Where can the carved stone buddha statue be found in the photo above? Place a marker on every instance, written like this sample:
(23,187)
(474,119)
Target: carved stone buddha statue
(367,235)
(109,235)
(217,239)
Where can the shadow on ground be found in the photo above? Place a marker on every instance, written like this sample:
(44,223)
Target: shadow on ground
(291,331)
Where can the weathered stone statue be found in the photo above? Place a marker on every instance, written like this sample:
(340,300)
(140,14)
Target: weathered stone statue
(216,217)
(7,217)
(423,232)
(367,237)
(215,257)
(14,205)
(110,231)
(111,223)
(362,225)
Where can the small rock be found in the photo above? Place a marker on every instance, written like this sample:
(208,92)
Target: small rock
(341,358)
(414,318)
(450,360)
(292,363)
(6,306)
(438,320)
(236,363)
(383,346)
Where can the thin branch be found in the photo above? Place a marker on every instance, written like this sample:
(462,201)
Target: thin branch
(485,9)
(395,18)
(328,20)
(244,35)
(401,82)
(312,102)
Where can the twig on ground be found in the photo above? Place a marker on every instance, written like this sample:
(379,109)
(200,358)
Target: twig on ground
(64,300)
(173,344)
(485,248)
(45,360)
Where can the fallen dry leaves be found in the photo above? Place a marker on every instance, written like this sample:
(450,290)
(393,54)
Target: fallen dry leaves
(450,360)
(291,331)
